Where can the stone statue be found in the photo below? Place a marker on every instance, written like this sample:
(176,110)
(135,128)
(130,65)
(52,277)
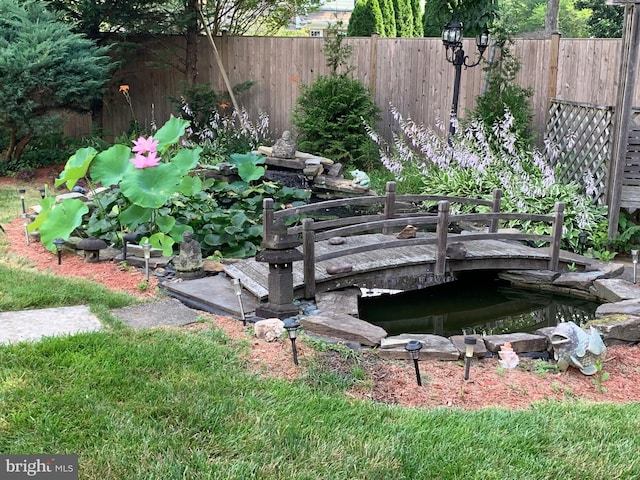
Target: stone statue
(285,147)
(360,179)
(573,346)
(189,263)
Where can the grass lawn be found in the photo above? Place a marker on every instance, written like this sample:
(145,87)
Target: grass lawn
(174,404)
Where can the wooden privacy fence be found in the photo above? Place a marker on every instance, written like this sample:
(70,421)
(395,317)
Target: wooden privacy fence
(394,217)
(409,73)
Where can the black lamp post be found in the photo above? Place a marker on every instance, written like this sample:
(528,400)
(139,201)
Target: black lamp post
(452,40)
(413,347)
(59,242)
(291,325)
(43,191)
(126,238)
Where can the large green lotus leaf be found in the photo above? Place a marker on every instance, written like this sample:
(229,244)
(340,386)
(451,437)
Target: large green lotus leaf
(190,186)
(170,133)
(62,220)
(151,187)
(165,223)
(134,215)
(186,159)
(163,241)
(76,167)
(46,205)
(250,172)
(112,165)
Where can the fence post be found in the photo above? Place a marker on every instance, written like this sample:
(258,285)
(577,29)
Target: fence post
(373,64)
(309,257)
(389,205)
(556,236)
(442,230)
(495,208)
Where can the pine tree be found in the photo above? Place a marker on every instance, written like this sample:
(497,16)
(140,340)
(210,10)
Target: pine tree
(388,17)
(374,6)
(362,22)
(45,69)
(416,8)
(404,18)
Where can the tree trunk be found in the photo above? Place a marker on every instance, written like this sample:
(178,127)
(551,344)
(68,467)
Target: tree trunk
(191,57)
(24,141)
(551,18)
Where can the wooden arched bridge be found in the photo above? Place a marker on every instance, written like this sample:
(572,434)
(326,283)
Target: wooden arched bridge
(354,242)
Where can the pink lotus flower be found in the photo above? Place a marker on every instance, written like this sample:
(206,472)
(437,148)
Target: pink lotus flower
(144,161)
(144,145)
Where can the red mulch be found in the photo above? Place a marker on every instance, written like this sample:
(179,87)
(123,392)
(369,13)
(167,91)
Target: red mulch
(392,381)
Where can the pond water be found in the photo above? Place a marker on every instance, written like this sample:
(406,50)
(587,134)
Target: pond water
(472,304)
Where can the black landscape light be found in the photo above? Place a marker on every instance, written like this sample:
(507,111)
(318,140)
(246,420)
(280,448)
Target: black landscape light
(22,191)
(414,347)
(452,40)
(237,288)
(126,238)
(146,248)
(582,241)
(469,343)
(59,242)
(291,325)
(43,191)
(634,259)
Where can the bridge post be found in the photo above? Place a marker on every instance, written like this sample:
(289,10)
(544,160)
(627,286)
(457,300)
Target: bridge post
(442,230)
(389,206)
(556,235)
(279,251)
(495,208)
(309,257)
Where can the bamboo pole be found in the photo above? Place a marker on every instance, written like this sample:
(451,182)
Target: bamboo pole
(223,71)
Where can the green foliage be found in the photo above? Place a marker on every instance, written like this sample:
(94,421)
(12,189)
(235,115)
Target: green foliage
(44,69)
(145,190)
(529,16)
(404,18)
(216,126)
(605,21)
(480,159)
(503,94)
(329,118)
(335,50)
(416,8)
(475,15)
(365,19)
(387,8)
(628,236)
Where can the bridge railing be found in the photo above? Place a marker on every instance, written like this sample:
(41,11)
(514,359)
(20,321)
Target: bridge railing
(393,218)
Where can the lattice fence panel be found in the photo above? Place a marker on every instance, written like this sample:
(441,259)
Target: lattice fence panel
(582,134)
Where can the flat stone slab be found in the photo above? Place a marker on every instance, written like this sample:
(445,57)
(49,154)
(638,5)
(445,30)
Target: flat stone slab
(213,294)
(618,329)
(479,349)
(340,301)
(339,325)
(164,313)
(625,307)
(434,347)
(579,280)
(520,342)
(608,269)
(529,276)
(33,325)
(616,289)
